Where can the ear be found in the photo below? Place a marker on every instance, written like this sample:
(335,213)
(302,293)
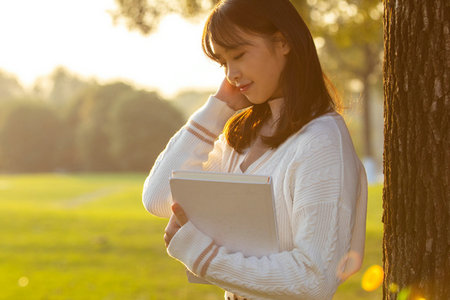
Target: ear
(281,43)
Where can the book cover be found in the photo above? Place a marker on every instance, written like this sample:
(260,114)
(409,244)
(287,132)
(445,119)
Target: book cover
(236,210)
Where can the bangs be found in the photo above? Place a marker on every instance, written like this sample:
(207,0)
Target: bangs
(222,31)
(228,22)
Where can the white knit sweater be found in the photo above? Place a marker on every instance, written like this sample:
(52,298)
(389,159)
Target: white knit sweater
(320,191)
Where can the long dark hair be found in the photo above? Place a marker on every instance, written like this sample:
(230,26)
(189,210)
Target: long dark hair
(306,90)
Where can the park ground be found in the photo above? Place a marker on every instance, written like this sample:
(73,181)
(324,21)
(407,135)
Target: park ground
(87,236)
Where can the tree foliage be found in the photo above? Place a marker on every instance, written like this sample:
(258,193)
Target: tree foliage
(77,125)
(10,87)
(117,128)
(29,136)
(141,125)
(188,101)
(144,15)
(91,138)
(59,87)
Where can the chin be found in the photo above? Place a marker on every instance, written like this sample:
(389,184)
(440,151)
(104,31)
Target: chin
(250,99)
(254,100)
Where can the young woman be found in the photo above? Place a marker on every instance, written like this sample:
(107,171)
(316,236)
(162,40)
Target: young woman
(273,115)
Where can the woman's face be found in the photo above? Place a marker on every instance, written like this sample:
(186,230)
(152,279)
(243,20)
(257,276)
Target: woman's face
(255,67)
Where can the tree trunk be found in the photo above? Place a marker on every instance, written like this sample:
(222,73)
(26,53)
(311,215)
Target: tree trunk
(416,149)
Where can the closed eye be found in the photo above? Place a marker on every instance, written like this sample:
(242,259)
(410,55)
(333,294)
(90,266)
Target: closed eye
(239,56)
(224,64)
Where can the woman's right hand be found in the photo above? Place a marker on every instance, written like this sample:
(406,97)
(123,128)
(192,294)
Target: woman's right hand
(231,95)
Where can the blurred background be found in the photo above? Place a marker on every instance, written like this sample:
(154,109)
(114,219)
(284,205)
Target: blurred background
(91,92)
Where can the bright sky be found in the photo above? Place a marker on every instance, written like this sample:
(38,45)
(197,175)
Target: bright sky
(37,36)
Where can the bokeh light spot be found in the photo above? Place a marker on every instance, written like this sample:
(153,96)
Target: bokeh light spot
(393,288)
(23,281)
(372,278)
(404,293)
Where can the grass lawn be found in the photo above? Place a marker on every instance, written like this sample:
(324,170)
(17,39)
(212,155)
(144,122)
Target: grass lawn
(87,236)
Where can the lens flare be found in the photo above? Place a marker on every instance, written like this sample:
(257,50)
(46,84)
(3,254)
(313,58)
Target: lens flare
(23,281)
(372,278)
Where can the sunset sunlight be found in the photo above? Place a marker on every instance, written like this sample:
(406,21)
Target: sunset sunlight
(38,36)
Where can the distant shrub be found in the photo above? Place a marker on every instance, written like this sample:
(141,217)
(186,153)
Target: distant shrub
(105,128)
(141,125)
(29,137)
(115,127)
(91,122)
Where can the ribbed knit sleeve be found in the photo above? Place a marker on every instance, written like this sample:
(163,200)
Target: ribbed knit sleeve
(321,228)
(188,149)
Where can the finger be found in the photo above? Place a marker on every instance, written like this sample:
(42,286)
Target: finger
(169,233)
(170,230)
(173,220)
(166,239)
(173,225)
(179,213)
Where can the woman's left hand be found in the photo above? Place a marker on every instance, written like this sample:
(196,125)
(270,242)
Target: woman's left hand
(177,220)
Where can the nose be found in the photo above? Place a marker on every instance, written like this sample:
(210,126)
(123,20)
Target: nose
(233,74)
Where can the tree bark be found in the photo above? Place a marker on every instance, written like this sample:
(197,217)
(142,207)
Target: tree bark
(416,149)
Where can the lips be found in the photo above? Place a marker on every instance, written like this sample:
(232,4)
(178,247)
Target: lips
(245,87)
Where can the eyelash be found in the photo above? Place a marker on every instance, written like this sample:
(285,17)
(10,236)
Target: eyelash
(235,58)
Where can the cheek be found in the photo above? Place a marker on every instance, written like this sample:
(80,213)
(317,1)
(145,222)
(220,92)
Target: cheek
(273,73)
(277,75)
(278,65)
(256,64)
(265,70)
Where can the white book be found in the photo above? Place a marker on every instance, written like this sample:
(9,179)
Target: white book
(236,210)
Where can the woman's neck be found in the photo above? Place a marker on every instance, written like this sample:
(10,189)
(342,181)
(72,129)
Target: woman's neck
(270,125)
(276,106)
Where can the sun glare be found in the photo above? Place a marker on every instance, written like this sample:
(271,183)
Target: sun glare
(38,36)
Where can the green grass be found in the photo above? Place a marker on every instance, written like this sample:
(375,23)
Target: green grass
(89,237)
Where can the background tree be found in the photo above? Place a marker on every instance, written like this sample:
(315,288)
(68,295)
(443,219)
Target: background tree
(352,37)
(10,88)
(92,139)
(115,127)
(59,87)
(144,15)
(72,124)
(141,125)
(73,114)
(416,150)
(29,136)
(188,101)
